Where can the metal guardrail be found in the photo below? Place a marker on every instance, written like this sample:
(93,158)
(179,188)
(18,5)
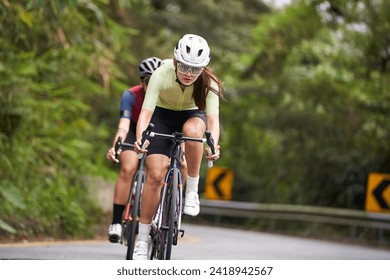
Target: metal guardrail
(338,216)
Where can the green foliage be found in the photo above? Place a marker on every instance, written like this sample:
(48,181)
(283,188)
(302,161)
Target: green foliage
(321,103)
(62,58)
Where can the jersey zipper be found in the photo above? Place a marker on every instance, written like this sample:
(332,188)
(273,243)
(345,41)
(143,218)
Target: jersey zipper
(179,104)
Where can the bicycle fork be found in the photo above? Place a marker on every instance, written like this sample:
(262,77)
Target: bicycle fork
(179,209)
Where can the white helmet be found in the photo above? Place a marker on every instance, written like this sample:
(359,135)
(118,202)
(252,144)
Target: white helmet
(148,65)
(192,50)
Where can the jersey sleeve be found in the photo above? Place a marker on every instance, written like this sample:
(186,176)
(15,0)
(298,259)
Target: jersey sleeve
(153,90)
(212,101)
(127,102)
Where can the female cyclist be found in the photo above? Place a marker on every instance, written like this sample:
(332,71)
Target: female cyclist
(130,109)
(182,96)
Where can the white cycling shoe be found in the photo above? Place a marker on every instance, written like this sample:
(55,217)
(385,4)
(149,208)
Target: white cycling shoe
(142,250)
(114,233)
(192,204)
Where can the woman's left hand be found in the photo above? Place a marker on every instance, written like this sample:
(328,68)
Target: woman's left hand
(217,154)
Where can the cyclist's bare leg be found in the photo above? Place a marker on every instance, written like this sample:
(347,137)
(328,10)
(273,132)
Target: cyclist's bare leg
(129,163)
(194,127)
(157,166)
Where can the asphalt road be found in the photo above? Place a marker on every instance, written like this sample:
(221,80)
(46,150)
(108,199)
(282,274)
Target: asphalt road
(203,243)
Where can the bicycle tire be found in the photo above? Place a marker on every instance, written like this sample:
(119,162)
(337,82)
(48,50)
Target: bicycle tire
(164,227)
(135,209)
(172,214)
(162,230)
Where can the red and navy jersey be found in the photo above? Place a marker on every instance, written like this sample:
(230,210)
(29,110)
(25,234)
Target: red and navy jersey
(131,103)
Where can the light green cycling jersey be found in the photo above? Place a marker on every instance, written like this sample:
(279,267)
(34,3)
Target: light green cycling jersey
(163,91)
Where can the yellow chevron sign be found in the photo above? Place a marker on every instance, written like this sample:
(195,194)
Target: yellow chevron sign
(378,193)
(219,183)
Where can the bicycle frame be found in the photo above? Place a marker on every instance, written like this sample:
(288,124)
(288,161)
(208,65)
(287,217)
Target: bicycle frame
(166,224)
(171,198)
(175,163)
(132,210)
(138,177)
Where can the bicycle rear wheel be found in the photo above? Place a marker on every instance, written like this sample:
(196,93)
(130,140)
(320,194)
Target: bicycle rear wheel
(135,209)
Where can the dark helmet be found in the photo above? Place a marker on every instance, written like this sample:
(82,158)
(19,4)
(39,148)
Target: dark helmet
(148,65)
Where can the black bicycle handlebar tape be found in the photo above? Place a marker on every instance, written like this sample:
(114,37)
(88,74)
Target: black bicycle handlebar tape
(118,145)
(210,143)
(145,135)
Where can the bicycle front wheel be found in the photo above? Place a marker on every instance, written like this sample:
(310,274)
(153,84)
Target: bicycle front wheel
(172,214)
(135,209)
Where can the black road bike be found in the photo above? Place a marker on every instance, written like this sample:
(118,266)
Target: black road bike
(166,223)
(131,216)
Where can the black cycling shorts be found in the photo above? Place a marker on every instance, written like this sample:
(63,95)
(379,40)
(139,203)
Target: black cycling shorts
(168,122)
(130,138)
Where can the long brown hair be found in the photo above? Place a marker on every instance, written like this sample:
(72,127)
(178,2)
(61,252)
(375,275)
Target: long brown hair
(202,86)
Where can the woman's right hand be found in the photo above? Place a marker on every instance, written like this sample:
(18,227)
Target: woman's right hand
(111,154)
(141,150)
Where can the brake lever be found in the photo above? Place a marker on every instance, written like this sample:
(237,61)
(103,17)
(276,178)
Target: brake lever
(118,145)
(145,136)
(210,143)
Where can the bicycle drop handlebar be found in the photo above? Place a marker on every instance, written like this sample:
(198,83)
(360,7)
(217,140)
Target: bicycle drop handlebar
(118,145)
(179,137)
(210,143)
(145,136)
